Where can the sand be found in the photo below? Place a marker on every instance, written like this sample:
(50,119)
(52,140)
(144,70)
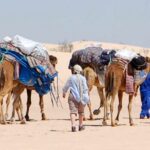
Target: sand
(54,133)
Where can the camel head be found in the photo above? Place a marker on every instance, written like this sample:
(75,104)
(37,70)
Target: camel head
(53,60)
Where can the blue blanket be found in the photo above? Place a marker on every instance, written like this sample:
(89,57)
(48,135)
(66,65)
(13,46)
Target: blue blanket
(32,76)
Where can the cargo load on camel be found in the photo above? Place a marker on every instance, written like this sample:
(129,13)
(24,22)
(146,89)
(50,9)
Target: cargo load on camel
(31,61)
(134,65)
(95,57)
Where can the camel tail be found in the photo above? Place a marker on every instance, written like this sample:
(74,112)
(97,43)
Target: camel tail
(109,84)
(2,78)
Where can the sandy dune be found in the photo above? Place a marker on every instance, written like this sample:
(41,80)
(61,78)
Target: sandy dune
(54,134)
(82,44)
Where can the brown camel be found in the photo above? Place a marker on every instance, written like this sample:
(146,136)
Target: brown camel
(7,84)
(53,61)
(115,84)
(17,104)
(92,80)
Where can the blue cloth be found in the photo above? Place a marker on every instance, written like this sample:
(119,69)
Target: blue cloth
(145,97)
(73,84)
(145,86)
(30,76)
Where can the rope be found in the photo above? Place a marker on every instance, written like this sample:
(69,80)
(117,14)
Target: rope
(58,97)
(1,58)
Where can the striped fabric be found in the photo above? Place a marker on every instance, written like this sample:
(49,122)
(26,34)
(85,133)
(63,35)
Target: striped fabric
(33,62)
(129,83)
(122,62)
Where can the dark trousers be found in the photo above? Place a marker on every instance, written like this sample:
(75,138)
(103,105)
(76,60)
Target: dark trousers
(145,99)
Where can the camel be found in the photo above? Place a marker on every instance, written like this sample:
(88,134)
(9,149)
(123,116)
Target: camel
(97,59)
(7,84)
(53,61)
(115,84)
(17,104)
(92,80)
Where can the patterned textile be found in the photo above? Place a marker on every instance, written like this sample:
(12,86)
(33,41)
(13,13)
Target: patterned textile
(94,57)
(33,61)
(129,83)
(40,77)
(122,62)
(86,57)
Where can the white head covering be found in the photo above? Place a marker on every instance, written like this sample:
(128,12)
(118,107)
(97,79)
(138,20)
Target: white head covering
(77,69)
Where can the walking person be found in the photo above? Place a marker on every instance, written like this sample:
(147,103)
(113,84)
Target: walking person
(145,98)
(78,96)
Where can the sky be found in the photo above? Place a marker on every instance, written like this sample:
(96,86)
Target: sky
(57,21)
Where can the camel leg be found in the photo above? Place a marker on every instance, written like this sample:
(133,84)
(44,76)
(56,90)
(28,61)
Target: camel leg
(13,112)
(17,92)
(17,108)
(130,110)
(105,112)
(41,103)
(21,111)
(90,104)
(2,118)
(90,110)
(102,98)
(17,105)
(19,116)
(120,95)
(7,104)
(28,104)
(111,110)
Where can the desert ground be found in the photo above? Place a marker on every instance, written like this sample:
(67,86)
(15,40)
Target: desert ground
(55,134)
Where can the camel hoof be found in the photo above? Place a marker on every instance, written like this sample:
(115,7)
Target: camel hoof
(113,125)
(104,123)
(96,112)
(116,122)
(132,124)
(91,117)
(84,118)
(23,121)
(12,120)
(27,118)
(43,117)
(3,122)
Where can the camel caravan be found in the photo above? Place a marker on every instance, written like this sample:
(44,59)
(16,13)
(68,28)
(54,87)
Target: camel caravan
(24,64)
(116,72)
